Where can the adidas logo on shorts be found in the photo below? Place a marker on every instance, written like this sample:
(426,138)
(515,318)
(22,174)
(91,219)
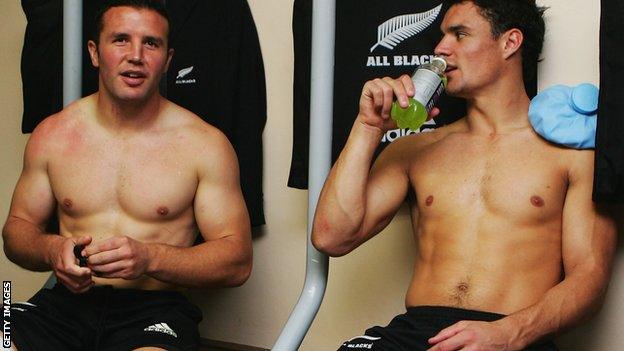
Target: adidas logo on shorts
(161,328)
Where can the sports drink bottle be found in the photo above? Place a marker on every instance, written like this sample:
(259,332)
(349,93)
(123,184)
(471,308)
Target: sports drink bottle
(429,83)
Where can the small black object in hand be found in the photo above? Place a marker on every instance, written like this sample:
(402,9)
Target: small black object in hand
(82,261)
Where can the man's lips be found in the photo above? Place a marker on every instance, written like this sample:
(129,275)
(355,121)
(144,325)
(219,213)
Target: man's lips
(133,78)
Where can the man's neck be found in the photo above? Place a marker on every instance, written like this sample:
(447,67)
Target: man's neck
(127,116)
(500,109)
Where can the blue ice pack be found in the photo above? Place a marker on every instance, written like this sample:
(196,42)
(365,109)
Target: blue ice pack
(566,115)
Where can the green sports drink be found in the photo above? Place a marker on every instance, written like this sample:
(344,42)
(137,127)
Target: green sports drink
(429,83)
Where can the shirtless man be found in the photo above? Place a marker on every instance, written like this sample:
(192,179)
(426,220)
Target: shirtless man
(133,177)
(511,248)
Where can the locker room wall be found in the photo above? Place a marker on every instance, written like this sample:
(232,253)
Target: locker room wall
(366,287)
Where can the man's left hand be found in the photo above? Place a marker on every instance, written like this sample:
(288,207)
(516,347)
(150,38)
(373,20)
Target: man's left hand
(118,257)
(472,336)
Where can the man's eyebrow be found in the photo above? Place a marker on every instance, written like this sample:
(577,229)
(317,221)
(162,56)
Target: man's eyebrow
(456,28)
(120,35)
(157,40)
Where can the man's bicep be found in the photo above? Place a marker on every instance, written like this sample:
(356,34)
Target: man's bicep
(386,190)
(33,199)
(219,206)
(588,230)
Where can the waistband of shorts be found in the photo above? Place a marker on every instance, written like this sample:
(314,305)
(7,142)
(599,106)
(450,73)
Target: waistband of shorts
(452,313)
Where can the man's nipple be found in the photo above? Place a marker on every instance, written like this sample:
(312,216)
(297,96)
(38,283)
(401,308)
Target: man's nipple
(537,201)
(163,211)
(67,203)
(429,200)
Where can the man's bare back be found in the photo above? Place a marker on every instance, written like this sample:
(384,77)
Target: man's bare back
(488,217)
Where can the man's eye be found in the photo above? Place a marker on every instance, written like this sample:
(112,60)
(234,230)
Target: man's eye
(120,40)
(151,43)
(460,35)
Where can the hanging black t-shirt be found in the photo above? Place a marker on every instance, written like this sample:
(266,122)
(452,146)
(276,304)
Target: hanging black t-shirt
(218,73)
(225,86)
(609,156)
(367,46)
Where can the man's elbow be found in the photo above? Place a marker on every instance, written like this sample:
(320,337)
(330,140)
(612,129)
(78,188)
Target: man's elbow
(6,243)
(327,244)
(240,273)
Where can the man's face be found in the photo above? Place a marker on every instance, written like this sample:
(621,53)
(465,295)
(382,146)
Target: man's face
(473,55)
(132,53)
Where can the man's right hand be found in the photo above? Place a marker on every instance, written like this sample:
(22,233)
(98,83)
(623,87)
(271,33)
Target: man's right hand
(66,266)
(377,97)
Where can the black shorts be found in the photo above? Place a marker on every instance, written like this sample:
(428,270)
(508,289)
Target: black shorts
(105,318)
(411,330)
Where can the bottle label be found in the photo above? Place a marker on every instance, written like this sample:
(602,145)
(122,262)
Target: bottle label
(428,86)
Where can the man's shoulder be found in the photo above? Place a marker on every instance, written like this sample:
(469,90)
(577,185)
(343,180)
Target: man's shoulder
(200,135)
(579,163)
(56,128)
(570,159)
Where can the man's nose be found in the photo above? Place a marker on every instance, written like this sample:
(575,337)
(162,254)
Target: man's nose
(135,55)
(443,48)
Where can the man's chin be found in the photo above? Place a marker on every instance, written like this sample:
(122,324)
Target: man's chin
(132,97)
(453,91)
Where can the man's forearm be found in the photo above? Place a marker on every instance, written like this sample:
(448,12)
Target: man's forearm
(215,263)
(565,305)
(27,245)
(342,204)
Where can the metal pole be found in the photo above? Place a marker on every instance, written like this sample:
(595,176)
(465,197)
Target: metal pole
(72,65)
(321,111)
(72,51)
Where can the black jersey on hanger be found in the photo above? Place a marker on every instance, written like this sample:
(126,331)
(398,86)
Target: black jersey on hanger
(225,86)
(609,156)
(367,46)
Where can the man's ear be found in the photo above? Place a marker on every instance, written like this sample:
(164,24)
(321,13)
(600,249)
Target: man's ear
(93,53)
(511,41)
(169,56)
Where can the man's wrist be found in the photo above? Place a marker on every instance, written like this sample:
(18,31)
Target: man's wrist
(152,254)
(366,130)
(52,245)
(514,332)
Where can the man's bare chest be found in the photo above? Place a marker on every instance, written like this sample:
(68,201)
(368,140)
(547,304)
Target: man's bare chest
(512,179)
(145,180)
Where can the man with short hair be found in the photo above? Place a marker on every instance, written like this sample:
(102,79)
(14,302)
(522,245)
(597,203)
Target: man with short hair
(132,177)
(511,248)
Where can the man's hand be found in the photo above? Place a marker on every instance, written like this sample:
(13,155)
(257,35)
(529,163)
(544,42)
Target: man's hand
(377,98)
(66,266)
(118,257)
(472,336)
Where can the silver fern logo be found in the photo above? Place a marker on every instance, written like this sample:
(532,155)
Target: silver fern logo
(395,30)
(183,72)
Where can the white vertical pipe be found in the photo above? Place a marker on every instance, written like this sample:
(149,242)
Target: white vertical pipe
(72,50)
(321,112)
(72,65)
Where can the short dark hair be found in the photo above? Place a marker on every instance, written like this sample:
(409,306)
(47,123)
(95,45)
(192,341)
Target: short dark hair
(524,15)
(155,5)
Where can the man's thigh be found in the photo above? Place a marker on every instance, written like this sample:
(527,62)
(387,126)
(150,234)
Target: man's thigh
(151,321)
(50,320)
